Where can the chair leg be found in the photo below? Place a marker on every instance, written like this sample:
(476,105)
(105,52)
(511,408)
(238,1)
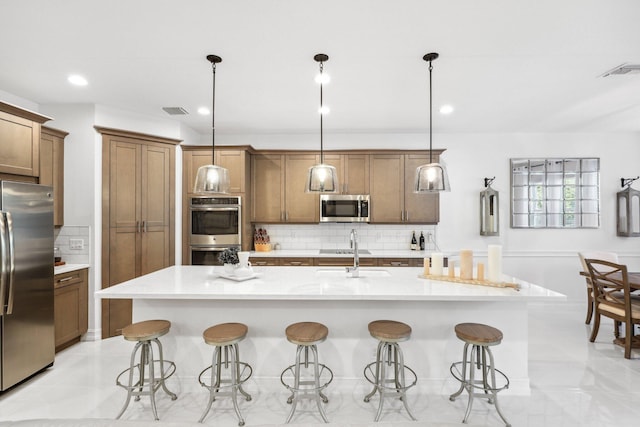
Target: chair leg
(628,332)
(589,306)
(596,326)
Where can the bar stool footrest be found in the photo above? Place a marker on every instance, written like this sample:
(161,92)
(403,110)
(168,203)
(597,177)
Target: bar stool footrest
(170,369)
(370,376)
(245,373)
(479,384)
(324,379)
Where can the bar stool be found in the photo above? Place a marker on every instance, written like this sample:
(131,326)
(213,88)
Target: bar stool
(306,335)
(225,337)
(389,333)
(145,333)
(480,337)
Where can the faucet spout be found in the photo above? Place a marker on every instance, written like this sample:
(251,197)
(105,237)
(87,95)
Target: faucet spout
(353,237)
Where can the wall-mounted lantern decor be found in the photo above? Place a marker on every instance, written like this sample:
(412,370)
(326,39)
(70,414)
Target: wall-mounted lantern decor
(628,204)
(489,203)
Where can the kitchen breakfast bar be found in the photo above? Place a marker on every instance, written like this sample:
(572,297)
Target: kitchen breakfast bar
(194,298)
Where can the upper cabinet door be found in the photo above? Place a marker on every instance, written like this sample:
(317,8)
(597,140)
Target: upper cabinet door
(300,207)
(52,169)
(356,174)
(387,188)
(267,187)
(156,178)
(124,184)
(419,208)
(19,141)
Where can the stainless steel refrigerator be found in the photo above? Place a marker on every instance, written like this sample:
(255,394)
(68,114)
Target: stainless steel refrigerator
(26,281)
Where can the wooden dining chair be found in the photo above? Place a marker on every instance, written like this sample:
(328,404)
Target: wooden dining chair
(612,298)
(606,256)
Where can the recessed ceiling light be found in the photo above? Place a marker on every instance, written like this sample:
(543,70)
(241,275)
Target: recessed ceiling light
(204,111)
(446,109)
(77,80)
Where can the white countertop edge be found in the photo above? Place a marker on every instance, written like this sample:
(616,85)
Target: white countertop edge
(67,268)
(301,284)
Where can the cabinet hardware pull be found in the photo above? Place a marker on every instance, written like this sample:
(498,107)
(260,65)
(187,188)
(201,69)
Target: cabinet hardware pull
(144,226)
(66,279)
(138,226)
(407,216)
(295,262)
(401,215)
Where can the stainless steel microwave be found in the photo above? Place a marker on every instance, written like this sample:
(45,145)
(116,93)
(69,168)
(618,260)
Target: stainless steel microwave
(344,208)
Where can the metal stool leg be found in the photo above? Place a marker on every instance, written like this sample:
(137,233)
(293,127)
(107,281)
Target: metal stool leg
(469,384)
(493,387)
(214,381)
(316,381)
(173,396)
(368,397)
(400,384)
(464,373)
(130,390)
(246,395)
(234,381)
(293,399)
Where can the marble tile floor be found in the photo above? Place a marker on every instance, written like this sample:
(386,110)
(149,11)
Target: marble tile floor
(573,383)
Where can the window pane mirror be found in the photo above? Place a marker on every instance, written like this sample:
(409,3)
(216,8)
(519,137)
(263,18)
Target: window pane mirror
(555,193)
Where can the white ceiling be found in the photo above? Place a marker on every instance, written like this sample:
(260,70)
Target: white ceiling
(505,65)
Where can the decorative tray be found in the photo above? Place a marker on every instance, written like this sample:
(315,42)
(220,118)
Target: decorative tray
(238,278)
(472,281)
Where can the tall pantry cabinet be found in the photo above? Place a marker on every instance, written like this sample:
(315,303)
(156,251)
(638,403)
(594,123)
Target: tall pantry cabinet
(138,214)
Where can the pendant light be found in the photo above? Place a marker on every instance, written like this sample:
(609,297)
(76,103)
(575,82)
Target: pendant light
(322,178)
(212,178)
(432,177)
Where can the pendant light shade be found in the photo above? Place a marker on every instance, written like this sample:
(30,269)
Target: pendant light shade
(322,178)
(212,178)
(432,177)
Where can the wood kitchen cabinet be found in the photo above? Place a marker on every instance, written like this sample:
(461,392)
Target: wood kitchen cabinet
(20,141)
(52,168)
(70,307)
(138,214)
(352,170)
(392,196)
(277,183)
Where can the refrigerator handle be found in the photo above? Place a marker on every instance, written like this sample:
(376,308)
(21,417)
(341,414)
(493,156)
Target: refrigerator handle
(12,262)
(3,262)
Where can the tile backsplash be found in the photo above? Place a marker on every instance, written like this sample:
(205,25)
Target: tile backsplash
(74,243)
(336,236)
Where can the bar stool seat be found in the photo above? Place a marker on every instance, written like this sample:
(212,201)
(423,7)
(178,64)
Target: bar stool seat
(225,338)
(389,333)
(306,335)
(481,337)
(144,334)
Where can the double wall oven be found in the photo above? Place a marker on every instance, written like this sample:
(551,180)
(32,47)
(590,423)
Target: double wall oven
(215,224)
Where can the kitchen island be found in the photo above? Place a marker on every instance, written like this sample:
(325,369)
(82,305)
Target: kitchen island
(196,297)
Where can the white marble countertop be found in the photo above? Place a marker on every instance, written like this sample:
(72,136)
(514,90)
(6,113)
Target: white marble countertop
(315,253)
(67,268)
(316,283)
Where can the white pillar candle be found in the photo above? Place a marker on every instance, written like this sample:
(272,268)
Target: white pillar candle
(426,267)
(451,269)
(437,261)
(466,264)
(495,263)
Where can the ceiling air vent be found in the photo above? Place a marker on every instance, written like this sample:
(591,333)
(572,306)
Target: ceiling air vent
(623,69)
(175,111)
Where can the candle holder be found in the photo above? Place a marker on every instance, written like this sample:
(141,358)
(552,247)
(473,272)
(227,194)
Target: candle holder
(489,212)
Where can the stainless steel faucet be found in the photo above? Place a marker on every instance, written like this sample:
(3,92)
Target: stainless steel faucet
(356,257)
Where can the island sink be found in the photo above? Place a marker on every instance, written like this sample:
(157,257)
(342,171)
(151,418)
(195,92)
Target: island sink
(363,272)
(343,251)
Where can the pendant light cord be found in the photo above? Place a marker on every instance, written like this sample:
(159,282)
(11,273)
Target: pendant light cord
(430,113)
(213,117)
(321,114)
